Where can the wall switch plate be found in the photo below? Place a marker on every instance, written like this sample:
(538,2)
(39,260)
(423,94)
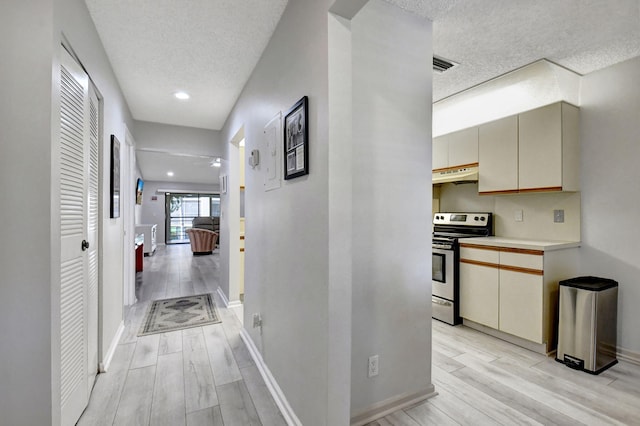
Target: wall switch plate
(257,321)
(558,216)
(373,365)
(518,215)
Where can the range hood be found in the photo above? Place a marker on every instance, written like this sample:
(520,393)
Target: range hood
(464,174)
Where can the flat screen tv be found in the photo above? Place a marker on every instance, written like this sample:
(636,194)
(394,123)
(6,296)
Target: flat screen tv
(139,187)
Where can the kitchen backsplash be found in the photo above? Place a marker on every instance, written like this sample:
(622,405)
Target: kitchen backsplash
(537,211)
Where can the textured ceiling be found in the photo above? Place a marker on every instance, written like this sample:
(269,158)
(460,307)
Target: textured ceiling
(491,37)
(210,47)
(207,48)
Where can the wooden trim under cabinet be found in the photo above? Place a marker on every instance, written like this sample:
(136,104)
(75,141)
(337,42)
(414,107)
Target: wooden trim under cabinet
(504,267)
(461,166)
(480,263)
(505,249)
(522,191)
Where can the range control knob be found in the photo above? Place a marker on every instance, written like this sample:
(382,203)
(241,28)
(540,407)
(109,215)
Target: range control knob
(482,218)
(475,218)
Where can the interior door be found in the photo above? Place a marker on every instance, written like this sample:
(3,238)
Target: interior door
(78,226)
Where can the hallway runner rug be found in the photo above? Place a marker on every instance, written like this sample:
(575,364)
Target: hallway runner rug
(179,313)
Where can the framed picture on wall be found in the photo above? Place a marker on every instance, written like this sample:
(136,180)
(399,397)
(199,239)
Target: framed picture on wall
(296,140)
(115,177)
(139,188)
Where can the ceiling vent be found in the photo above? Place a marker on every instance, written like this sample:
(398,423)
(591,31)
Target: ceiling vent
(441,65)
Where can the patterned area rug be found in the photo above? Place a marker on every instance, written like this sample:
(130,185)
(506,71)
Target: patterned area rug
(178,313)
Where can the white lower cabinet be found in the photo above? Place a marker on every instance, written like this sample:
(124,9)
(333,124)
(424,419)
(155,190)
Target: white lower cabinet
(479,294)
(514,291)
(521,305)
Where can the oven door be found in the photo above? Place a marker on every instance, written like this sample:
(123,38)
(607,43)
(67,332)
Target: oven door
(442,276)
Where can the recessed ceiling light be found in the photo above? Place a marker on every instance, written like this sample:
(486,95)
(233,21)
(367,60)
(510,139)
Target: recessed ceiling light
(215,164)
(169,174)
(183,96)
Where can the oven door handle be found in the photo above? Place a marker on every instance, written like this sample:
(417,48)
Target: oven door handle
(440,302)
(442,246)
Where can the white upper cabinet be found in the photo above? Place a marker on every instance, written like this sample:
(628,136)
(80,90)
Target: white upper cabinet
(498,156)
(534,151)
(456,149)
(548,148)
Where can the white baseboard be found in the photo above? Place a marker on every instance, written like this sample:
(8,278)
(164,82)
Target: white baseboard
(384,408)
(628,356)
(277,394)
(104,365)
(223,297)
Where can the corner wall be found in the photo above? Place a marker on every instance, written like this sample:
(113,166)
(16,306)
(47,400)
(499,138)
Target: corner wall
(25,184)
(391,233)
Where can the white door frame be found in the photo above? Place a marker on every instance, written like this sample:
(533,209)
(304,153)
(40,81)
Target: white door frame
(128,210)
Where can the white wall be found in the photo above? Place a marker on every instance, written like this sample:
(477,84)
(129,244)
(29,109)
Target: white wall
(25,183)
(286,247)
(31,34)
(153,211)
(391,175)
(537,211)
(610,137)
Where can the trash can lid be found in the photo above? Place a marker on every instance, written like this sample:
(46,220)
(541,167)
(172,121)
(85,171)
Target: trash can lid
(590,283)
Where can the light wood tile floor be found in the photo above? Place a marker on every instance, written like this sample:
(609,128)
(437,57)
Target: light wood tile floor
(205,375)
(198,376)
(482,380)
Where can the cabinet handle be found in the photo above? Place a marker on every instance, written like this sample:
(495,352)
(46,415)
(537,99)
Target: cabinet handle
(85,245)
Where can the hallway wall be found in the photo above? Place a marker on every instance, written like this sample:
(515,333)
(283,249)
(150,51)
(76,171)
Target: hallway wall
(31,33)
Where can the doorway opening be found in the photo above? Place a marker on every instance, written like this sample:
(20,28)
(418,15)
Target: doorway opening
(181,209)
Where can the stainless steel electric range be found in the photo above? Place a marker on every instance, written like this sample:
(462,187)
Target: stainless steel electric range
(445,280)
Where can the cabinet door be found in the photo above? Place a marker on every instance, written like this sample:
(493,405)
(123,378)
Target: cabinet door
(540,156)
(463,147)
(521,306)
(440,152)
(498,155)
(479,294)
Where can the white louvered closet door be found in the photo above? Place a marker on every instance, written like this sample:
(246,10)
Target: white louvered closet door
(74,149)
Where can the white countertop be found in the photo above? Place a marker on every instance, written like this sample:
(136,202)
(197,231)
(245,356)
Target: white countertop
(544,245)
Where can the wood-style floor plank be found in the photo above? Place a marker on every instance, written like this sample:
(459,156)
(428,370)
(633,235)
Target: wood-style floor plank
(101,411)
(134,408)
(223,363)
(266,407)
(206,417)
(170,342)
(146,352)
(236,405)
(427,414)
(200,390)
(168,407)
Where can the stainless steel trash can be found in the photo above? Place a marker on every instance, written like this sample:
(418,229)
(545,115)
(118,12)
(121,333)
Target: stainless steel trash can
(587,323)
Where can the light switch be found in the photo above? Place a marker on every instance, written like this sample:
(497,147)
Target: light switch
(518,216)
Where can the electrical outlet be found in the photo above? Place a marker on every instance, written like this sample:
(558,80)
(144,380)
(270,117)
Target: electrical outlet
(257,320)
(373,365)
(518,216)
(558,216)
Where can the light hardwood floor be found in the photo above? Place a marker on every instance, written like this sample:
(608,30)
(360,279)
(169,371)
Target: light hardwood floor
(198,376)
(205,375)
(482,380)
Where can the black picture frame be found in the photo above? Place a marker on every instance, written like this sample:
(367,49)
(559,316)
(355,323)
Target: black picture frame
(115,178)
(296,140)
